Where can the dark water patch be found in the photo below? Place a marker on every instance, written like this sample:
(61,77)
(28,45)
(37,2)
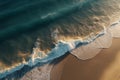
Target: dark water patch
(20,26)
(33,7)
(19,31)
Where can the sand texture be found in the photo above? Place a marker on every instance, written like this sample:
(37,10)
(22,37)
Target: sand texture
(104,66)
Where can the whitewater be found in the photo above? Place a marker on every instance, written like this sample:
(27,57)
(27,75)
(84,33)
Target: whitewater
(39,57)
(74,18)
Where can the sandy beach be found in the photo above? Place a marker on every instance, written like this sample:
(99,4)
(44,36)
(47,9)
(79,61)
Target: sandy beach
(104,66)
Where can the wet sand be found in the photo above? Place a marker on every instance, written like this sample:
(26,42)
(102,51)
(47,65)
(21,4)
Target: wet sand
(104,66)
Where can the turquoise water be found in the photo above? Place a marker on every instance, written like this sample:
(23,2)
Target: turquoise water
(20,19)
(17,17)
(23,21)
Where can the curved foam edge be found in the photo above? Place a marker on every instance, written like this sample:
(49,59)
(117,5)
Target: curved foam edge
(115,30)
(62,47)
(90,50)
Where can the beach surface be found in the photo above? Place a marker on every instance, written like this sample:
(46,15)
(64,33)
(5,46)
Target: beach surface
(104,66)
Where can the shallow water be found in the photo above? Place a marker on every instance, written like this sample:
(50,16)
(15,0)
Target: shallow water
(23,23)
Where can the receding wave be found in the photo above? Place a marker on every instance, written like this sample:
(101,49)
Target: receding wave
(40,31)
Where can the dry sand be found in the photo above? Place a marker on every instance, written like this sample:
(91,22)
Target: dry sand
(104,66)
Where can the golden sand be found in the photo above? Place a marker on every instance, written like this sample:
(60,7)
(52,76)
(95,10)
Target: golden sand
(104,66)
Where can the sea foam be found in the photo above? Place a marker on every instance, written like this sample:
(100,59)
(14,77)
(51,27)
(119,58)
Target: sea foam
(97,43)
(88,51)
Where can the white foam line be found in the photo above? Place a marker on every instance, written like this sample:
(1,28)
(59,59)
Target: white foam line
(90,50)
(62,47)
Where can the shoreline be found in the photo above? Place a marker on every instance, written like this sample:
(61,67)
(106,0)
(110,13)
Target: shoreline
(104,66)
(82,57)
(60,49)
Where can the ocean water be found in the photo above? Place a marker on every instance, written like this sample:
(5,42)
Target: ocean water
(33,31)
(88,51)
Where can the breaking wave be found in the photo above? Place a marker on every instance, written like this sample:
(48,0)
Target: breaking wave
(19,21)
(61,48)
